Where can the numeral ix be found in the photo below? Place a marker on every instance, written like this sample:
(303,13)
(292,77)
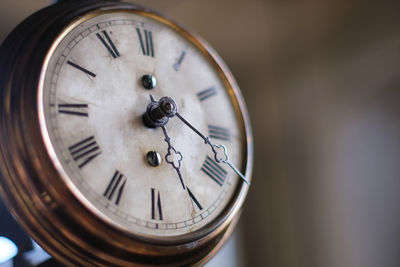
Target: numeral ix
(74,109)
(85,151)
(214,171)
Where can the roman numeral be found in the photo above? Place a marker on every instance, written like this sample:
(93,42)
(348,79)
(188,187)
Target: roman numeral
(108,44)
(214,171)
(156,210)
(81,69)
(219,133)
(115,187)
(146,43)
(178,64)
(85,151)
(203,95)
(195,201)
(74,109)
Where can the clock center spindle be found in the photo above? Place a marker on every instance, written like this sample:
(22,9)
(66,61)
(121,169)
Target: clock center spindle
(159,112)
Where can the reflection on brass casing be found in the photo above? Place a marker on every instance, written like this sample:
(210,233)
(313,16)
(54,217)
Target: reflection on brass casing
(30,181)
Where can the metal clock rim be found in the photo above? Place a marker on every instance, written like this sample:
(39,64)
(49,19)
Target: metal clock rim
(205,48)
(219,228)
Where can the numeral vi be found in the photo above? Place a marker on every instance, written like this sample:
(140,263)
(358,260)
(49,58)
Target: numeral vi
(156,210)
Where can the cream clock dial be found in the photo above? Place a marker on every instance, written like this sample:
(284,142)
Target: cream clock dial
(124,139)
(92,100)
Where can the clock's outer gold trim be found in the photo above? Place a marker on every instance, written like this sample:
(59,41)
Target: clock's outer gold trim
(30,178)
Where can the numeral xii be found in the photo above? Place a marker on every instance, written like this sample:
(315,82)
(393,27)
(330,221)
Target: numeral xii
(146,42)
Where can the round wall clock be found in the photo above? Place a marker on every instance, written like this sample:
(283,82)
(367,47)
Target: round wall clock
(124,138)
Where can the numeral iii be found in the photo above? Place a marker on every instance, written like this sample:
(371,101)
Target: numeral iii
(219,133)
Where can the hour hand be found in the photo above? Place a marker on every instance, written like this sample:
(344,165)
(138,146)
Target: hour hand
(173,157)
(158,114)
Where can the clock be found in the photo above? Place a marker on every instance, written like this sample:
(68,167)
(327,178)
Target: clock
(125,139)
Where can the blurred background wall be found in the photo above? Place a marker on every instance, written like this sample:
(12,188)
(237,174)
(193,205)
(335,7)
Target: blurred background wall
(322,83)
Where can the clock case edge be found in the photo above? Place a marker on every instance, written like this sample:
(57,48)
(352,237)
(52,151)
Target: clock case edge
(24,160)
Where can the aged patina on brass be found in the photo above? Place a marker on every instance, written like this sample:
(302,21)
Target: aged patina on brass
(32,182)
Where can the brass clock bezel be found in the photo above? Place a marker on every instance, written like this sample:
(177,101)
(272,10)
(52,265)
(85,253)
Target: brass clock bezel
(38,196)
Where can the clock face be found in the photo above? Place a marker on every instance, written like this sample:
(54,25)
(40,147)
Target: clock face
(91,104)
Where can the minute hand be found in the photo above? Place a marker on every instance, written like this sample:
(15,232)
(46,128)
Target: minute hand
(214,148)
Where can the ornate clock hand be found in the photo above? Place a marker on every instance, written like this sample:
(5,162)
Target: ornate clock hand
(171,148)
(158,114)
(139,217)
(214,147)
